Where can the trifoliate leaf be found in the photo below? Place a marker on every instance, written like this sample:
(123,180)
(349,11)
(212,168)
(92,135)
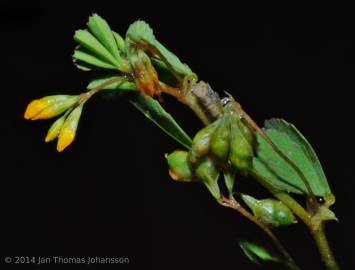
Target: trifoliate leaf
(277,172)
(140,33)
(124,84)
(156,113)
(87,40)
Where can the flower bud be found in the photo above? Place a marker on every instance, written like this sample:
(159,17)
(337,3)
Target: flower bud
(241,153)
(220,141)
(53,131)
(50,106)
(179,167)
(271,212)
(207,173)
(201,142)
(68,130)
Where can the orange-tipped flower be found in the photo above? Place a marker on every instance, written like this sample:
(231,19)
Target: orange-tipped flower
(54,130)
(68,129)
(50,106)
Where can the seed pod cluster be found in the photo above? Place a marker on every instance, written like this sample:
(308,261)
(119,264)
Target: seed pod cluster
(228,140)
(226,143)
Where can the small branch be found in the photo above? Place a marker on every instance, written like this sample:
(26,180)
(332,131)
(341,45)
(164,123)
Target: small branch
(87,95)
(233,204)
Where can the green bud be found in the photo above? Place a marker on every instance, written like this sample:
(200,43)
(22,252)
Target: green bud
(207,173)
(54,130)
(201,142)
(179,167)
(241,153)
(220,141)
(271,212)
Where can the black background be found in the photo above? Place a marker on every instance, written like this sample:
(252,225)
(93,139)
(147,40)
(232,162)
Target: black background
(109,194)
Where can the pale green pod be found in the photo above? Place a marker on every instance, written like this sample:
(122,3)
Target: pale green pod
(220,141)
(201,142)
(271,212)
(207,173)
(179,167)
(241,152)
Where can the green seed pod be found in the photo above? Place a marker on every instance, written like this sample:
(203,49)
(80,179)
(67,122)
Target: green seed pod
(207,173)
(220,141)
(179,167)
(201,142)
(271,212)
(241,152)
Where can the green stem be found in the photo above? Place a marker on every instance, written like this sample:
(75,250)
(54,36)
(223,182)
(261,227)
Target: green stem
(84,97)
(324,249)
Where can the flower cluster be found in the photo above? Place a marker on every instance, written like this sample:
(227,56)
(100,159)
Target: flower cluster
(51,106)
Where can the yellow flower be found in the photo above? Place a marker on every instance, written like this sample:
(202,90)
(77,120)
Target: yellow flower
(50,106)
(68,129)
(53,131)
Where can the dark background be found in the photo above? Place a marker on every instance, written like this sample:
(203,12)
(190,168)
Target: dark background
(109,194)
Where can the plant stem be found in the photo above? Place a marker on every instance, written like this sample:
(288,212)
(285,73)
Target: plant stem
(233,204)
(87,95)
(315,228)
(324,249)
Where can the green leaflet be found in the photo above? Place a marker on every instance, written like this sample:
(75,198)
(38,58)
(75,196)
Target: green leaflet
(256,253)
(103,47)
(269,166)
(102,31)
(140,33)
(120,85)
(155,112)
(120,41)
(84,55)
